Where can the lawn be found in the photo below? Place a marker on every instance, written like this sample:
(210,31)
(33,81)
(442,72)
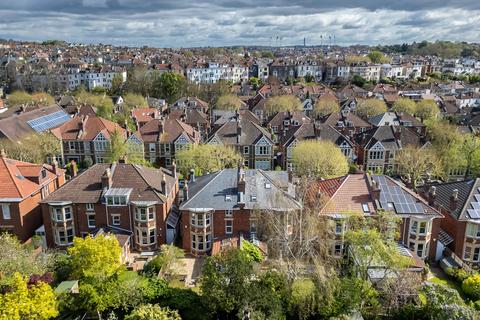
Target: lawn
(441,278)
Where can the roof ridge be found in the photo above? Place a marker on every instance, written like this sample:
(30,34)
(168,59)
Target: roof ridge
(137,169)
(216,175)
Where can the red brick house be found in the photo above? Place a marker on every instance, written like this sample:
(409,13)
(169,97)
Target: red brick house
(121,198)
(219,205)
(368,194)
(22,186)
(459,231)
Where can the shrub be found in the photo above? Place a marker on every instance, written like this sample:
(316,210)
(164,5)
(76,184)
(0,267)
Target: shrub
(471,286)
(252,251)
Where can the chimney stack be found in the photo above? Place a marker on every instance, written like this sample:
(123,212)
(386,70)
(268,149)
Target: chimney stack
(161,125)
(164,185)
(375,190)
(107,179)
(192,175)
(241,185)
(397,132)
(3,153)
(432,194)
(73,168)
(174,169)
(290,175)
(185,191)
(454,199)
(54,166)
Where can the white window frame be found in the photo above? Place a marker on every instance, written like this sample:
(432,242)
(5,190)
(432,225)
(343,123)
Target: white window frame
(116,219)
(145,213)
(89,206)
(6,214)
(61,214)
(89,217)
(228,226)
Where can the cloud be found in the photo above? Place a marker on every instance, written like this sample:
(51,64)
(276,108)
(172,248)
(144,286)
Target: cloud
(185,23)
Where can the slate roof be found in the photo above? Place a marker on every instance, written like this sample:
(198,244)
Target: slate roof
(386,136)
(210,191)
(16,127)
(172,130)
(467,190)
(313,131)
(192,116)
(251,132)
(144,182)
(385,119)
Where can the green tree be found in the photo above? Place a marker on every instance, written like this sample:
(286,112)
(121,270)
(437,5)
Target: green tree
(471,286)
(97,257)
(133,100)
(152,312)
(35,148)
(326,105)
(18,98)
(228,102)
(303,298)
(377,57)
(20,302)
(171,86)
(118,146)
(252,251)
(426,109)
(42,98)
(367,108)
(18,258)
(358,81)
(415,163)
(205,158)
(319,159)
(225,281)
(282,104)
(404,105)
(117,85)
(254,82)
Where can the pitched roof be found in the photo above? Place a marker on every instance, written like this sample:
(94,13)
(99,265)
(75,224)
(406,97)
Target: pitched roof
(87,187)
(16,127)
(468,193)
(88,131)
(263,190)
(250,132)
(172,130)
(16,178)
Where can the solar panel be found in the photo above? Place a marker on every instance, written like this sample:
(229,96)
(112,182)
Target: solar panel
(474,214)
(49,121)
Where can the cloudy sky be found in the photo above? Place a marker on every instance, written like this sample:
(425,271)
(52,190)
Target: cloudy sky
(188,23)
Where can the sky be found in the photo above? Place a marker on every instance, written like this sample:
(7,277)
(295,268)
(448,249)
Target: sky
(200,23)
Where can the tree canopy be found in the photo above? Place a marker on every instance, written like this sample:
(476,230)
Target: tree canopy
(319,159)
(152,312)
(206,158)
(228,102)
(97,257)
(326,105)
(405,105)
(282,104)
(426,109)
(367,108)
(35,148)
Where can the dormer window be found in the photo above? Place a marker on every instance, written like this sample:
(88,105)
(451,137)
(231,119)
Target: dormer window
(253,198)
(268,185)
(44,173)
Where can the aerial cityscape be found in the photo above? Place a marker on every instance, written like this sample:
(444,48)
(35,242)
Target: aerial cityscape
(254,160)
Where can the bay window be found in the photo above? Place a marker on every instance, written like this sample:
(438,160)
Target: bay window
(145,213)
(201,242)
(146,236)
(61,214)
(64,236)
(201,219)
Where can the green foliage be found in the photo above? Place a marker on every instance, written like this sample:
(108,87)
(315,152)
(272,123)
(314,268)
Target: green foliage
(206,158)
(358,81)
(43,99)
(302,300)
(367,108)
(444,303)
(152,312)
(426,109)
(17,258)
(99,90)
(282,104)
(326,105)
(97,257)
(134,100)
(377,57)
(171,86)
(252,251)
(18,98)
(224,281)
(319,159)
(404,105)
(189,304)
(228,102)
(165,263)
(471,286)
(21,301)
(117,85)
